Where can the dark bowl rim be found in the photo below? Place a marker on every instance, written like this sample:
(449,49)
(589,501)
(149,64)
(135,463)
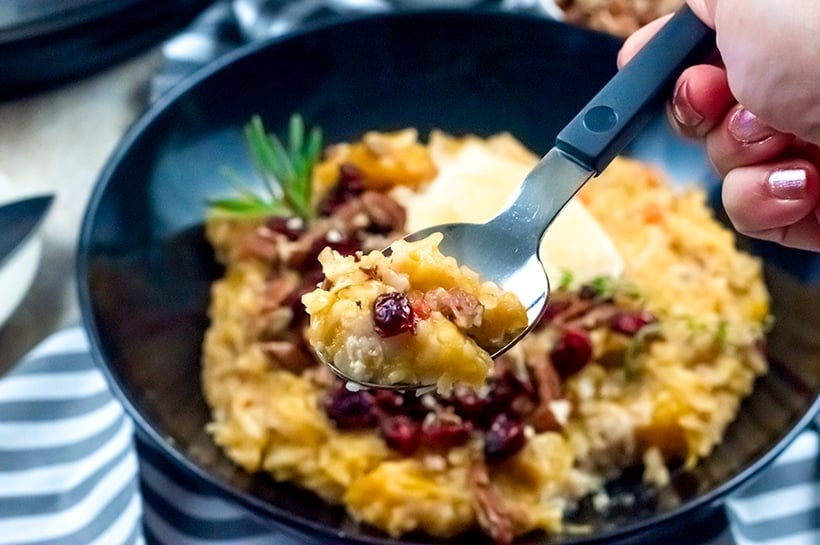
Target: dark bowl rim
(286,520)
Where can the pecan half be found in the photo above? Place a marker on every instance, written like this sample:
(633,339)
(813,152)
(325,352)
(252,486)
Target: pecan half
(384,212)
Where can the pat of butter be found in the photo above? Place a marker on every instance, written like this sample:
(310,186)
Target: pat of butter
(475,178)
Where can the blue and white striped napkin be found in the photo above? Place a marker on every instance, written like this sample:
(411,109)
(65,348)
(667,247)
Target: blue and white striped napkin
(72,472)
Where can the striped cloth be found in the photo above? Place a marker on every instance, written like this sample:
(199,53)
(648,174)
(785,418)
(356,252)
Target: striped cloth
(72,472)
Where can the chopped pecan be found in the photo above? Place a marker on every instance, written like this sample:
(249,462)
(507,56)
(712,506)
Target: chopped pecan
(595,316)
(295,253)
(496,516)
(320,375)
(548,385)
(377,241)
(287,355)
(351,214)
(273,324)
(456,305)
(262,243)
(276,291)
(567,308)
(384,212)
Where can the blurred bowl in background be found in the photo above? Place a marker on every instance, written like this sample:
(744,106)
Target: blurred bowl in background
(44,43)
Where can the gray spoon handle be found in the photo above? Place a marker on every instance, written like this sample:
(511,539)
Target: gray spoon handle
(615,115)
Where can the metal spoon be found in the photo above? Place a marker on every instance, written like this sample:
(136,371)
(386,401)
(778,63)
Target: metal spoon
(505,250)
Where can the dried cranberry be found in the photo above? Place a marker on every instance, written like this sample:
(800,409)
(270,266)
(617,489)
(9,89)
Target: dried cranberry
(469,405)
(294,301)
(351,410)
(347,245)
(312,276)
(443,432)
(401,433)
(349,184)
(388,400)
(572,352)
(504,438)
(292,228)
(515,384)
(351,179)
(629,323)
(392,315)
(343,243)
(508,393)
(406,403)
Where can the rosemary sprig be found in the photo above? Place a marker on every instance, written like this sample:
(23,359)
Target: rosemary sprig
(285,170)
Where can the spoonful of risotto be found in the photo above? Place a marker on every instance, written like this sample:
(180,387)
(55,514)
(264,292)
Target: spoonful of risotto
(435,308)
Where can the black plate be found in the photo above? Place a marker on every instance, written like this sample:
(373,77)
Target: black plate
(145,269)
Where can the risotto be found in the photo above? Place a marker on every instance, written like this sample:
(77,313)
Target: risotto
(651,339)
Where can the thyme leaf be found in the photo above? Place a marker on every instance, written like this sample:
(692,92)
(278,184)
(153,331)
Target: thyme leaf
(603,286)
(566,279)
(722,333)
(638,345)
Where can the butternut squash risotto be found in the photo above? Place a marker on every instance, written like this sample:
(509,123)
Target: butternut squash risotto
(651,339)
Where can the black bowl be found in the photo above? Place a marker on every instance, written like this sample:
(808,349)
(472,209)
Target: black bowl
(145,268)
(44,43)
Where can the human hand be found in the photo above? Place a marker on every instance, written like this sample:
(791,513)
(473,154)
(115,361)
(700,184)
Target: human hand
(770,159)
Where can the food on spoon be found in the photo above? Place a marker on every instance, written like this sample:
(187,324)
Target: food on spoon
(414,317)
(626,369)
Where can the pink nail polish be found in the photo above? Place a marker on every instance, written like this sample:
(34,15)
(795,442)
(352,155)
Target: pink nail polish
(788,184)
(746,128)
(682,109)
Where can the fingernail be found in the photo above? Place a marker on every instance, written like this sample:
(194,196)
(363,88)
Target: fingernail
(747,128)
(788,184)
(682,109)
